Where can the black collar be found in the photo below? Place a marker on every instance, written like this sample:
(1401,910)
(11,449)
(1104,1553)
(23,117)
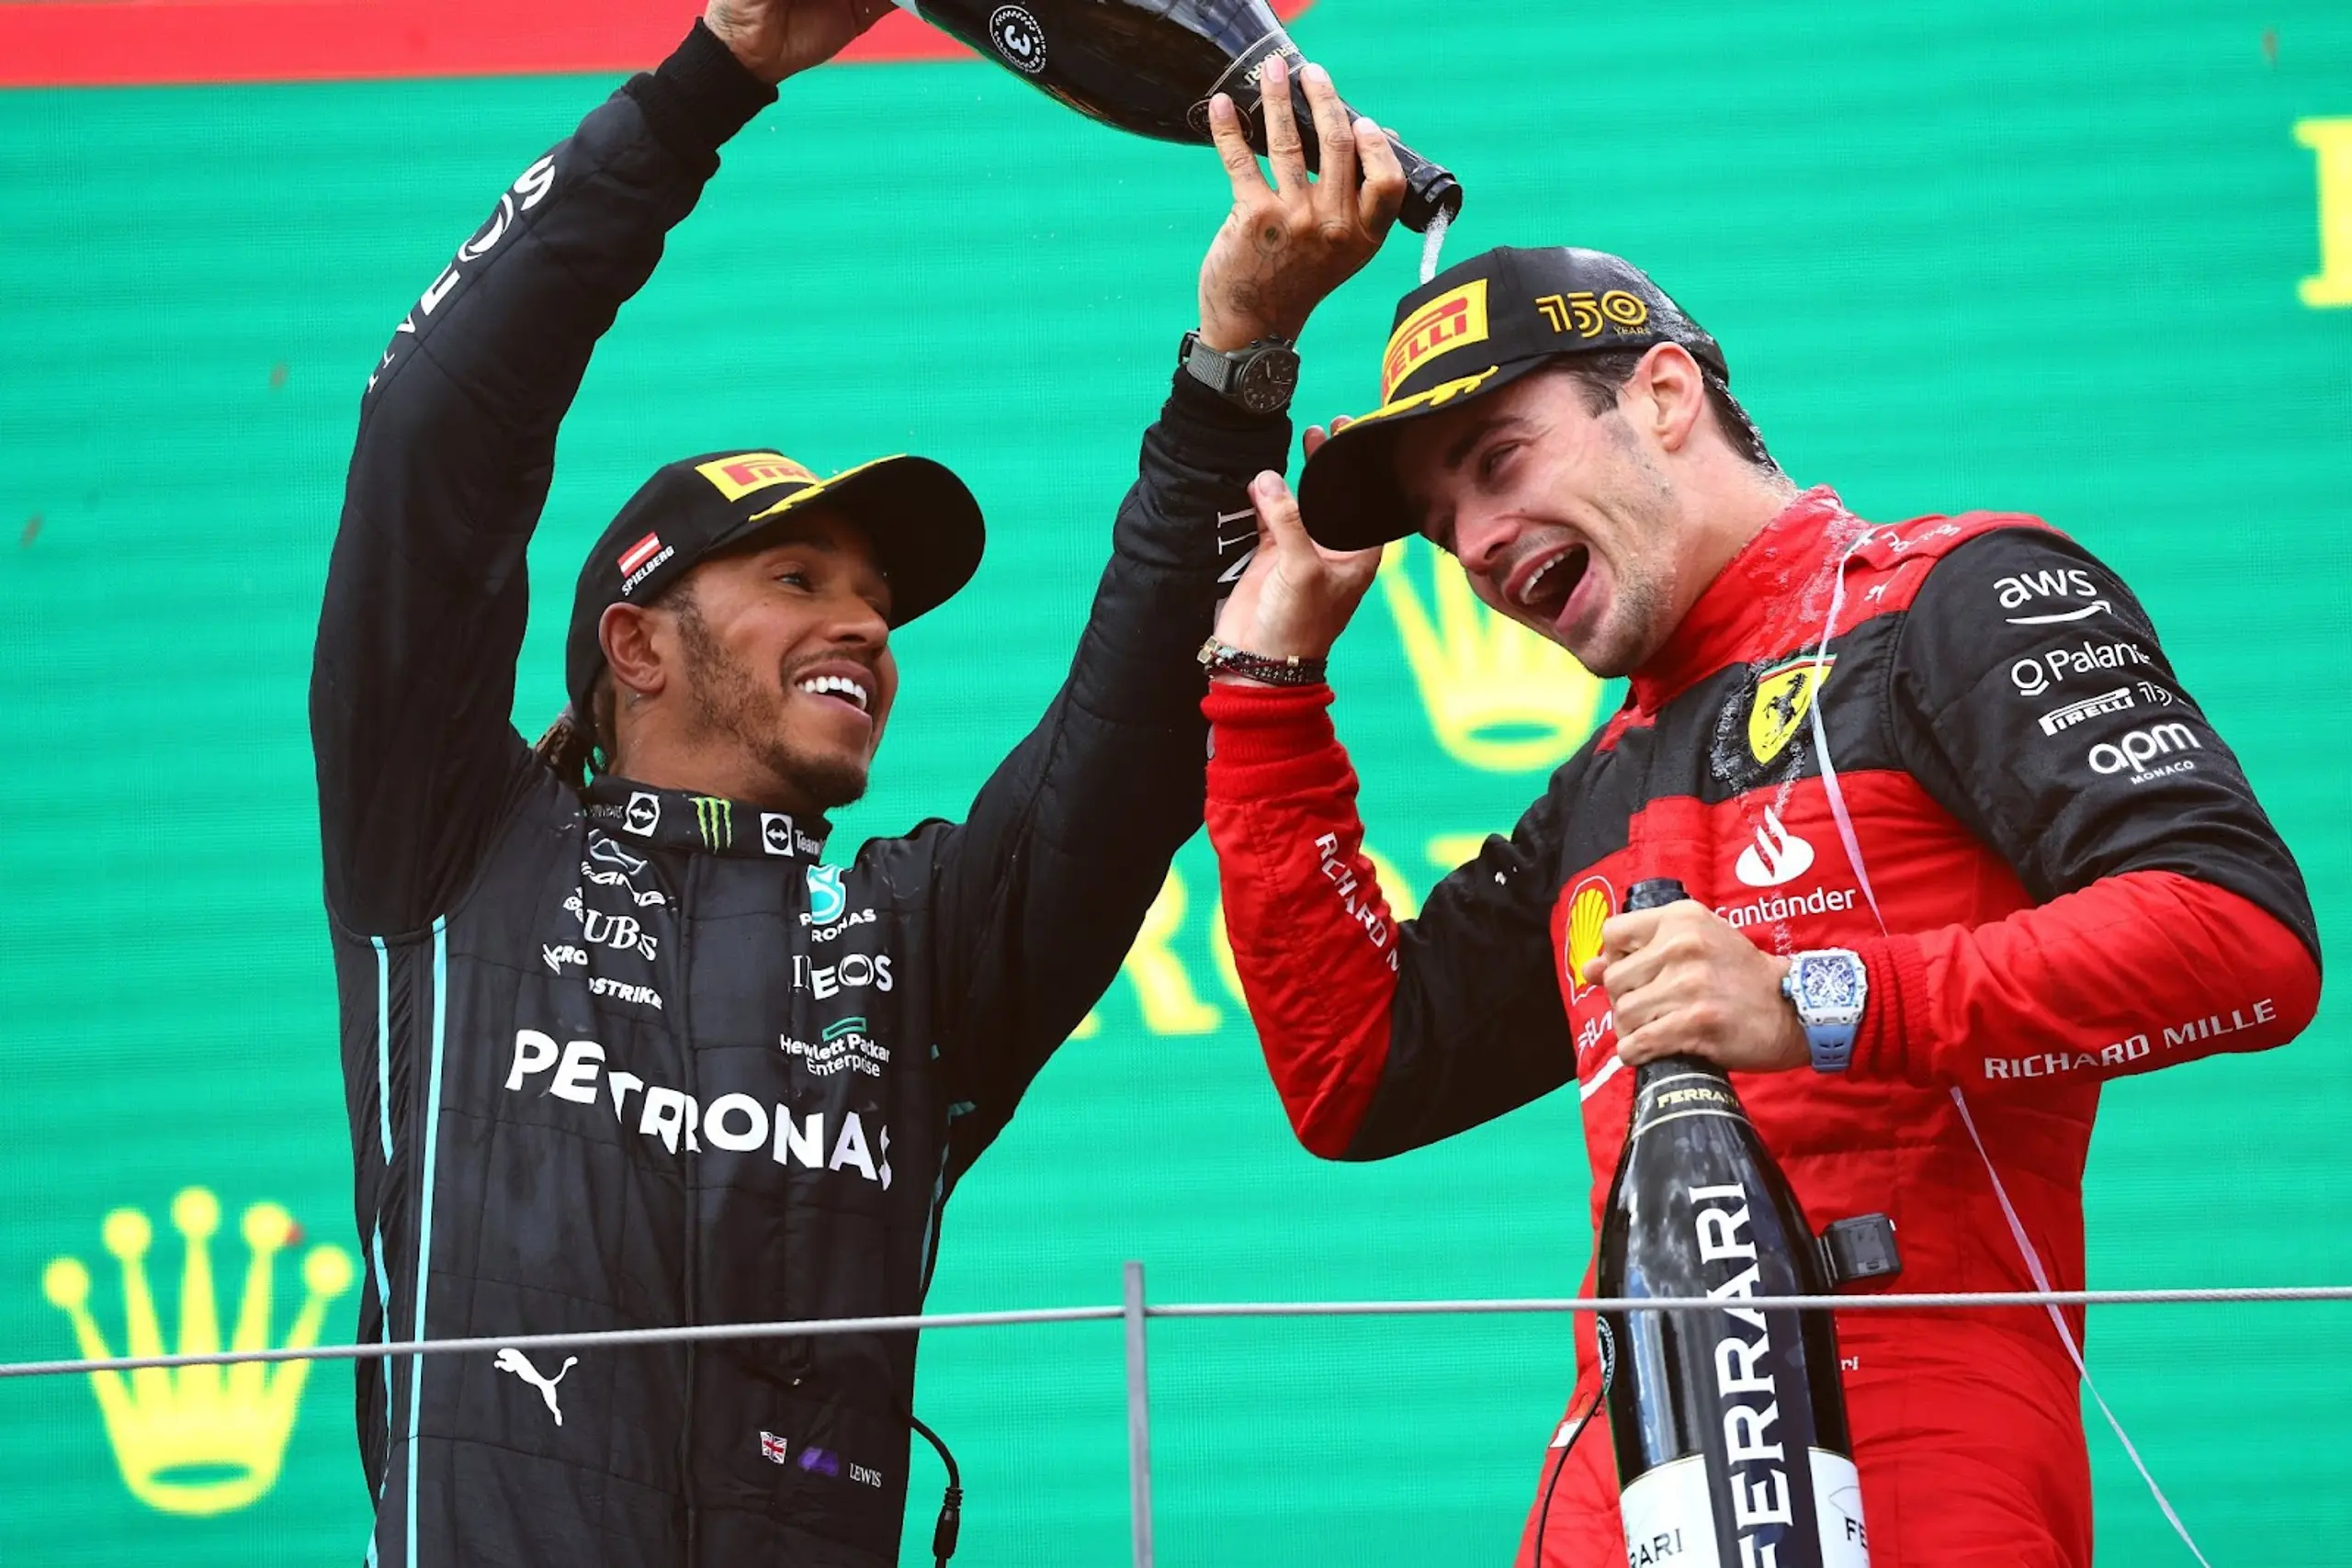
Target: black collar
(708,824)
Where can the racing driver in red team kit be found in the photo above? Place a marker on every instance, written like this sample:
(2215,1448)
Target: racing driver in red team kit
(1937,775)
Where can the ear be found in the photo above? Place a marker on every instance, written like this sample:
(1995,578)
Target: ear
(625,632)
(1672,393)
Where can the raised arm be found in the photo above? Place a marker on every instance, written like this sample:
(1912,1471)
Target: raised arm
(414,677)
(1040,891)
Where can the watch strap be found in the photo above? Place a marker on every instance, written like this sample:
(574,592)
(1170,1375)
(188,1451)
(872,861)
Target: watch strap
(1211,368)
(1831,1046)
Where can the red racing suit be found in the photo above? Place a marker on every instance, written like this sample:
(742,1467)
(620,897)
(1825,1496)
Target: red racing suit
(2053,869)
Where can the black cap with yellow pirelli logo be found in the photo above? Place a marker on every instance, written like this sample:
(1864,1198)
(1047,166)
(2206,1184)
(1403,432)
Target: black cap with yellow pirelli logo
(1472,329)
(924,525)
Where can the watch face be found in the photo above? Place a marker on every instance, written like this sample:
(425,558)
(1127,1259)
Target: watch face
(1268,381)
(1829,985)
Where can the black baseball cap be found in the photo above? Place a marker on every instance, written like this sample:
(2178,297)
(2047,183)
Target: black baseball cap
(924,525)
(1472,329)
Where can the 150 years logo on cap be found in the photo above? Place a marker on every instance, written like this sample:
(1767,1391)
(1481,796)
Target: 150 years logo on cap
(1589,315)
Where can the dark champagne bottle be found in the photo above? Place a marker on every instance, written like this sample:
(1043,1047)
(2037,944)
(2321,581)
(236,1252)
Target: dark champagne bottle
(1151,66)
(1730,1426)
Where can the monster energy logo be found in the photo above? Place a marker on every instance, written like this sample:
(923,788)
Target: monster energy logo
(716,820)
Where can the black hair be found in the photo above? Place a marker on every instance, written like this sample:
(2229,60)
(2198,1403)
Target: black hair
(1603,375)
(579,746)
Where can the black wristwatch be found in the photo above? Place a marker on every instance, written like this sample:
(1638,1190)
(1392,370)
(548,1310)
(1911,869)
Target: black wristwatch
(1259,377)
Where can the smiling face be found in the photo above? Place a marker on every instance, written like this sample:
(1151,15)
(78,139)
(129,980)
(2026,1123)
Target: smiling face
(1567,520)
(769,678)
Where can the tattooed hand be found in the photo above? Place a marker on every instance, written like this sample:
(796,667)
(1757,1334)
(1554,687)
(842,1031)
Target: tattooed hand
(1283,250)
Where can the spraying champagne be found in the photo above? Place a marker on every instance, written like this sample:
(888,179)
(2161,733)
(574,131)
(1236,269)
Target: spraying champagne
(1729,1426)
(1151,66)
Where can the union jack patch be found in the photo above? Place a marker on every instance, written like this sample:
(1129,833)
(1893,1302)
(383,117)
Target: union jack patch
(772,1449)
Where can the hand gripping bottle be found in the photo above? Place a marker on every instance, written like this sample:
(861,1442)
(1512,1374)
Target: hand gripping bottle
(1151,66)
(1730,1424)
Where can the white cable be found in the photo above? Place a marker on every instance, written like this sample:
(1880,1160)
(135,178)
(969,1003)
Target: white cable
(2065,1335)
(1848,837)
(1830,786)
(611,1338)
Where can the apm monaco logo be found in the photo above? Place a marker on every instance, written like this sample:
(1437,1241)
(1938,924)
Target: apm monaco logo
(1019,39)
(638,560)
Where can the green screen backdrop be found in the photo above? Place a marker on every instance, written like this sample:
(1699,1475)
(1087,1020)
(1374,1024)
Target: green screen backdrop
(2082,259)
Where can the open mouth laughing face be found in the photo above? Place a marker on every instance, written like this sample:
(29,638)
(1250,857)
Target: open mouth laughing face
(809,607)
(1558,517)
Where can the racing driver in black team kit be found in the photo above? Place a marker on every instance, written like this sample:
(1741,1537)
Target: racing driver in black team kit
(621,1052)
(1961,848)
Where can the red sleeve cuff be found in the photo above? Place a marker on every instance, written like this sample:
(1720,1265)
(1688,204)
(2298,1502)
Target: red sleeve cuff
(1898,976)
(1268,740)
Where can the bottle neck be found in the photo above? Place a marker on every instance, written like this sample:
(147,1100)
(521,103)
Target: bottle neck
(1653,1072)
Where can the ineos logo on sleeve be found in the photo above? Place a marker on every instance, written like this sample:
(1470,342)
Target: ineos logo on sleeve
(1019,39)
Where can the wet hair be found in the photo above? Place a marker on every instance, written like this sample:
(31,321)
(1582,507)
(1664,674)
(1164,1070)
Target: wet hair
(578,746)
(1603,375)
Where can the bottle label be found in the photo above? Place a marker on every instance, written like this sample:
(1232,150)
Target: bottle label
(1684,1094)
(1669,1519)
(1837,1505)
(1020,42)
(1241,81)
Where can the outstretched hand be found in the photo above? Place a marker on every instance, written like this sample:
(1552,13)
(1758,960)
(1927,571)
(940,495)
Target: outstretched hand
(774,39)
(1296,597)
(1283,250)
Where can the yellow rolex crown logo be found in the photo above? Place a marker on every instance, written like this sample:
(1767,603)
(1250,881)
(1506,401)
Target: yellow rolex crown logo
(200,1440)
(1500,697)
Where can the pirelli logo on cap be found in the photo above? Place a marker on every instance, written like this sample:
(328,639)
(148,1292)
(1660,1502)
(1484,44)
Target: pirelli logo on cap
(738,476)
(1452,321)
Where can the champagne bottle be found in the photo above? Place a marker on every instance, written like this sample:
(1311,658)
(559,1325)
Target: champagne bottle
(1730,1426)
(1151,66)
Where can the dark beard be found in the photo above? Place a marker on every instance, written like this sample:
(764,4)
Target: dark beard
(728,700)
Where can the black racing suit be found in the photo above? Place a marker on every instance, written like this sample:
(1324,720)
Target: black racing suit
(637,1058)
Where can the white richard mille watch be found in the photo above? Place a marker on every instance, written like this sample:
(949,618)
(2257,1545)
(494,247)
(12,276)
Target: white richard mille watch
(1828,987)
